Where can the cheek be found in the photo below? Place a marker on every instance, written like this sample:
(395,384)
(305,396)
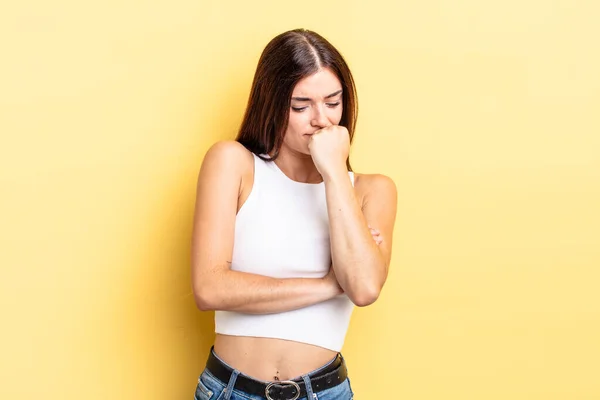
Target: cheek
(296,123)
(336,115)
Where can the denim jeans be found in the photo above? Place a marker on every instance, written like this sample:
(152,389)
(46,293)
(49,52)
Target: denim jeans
(211,388)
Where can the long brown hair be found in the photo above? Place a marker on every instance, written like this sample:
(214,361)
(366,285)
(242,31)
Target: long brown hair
(287,59)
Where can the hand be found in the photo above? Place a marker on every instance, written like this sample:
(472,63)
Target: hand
(376,235)
(331,280)
(329,148)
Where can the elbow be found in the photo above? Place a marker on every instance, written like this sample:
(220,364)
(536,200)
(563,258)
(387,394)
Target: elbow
(209,295)
(365,296)
(366,291)
(205,299)
(203,303)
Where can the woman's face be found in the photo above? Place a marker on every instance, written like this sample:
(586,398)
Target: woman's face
(316,103)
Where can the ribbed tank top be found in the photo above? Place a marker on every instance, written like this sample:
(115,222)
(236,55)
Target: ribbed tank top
(282,231)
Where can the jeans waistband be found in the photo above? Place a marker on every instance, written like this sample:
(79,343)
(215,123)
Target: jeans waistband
(326,377)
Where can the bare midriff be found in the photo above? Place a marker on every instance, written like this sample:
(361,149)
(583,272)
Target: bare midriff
(268,359)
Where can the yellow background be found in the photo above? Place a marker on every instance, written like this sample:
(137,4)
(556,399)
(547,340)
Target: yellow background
(486,115)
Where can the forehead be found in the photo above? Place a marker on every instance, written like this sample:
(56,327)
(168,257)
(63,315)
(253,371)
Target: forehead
(319,84)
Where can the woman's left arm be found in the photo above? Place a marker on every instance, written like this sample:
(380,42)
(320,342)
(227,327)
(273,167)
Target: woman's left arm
(360,264)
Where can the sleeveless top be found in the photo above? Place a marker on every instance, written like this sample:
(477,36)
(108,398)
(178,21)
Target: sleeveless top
(282,231)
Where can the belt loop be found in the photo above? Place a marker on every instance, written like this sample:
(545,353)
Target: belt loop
(309,392)
(231,384)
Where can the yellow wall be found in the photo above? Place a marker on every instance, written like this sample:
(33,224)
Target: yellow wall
(486,114)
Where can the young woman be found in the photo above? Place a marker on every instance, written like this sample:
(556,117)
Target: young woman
(284,242)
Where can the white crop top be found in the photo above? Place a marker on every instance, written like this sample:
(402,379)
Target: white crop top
(282,231)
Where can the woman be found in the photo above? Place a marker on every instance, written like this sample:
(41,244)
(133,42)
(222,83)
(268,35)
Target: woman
(283,246)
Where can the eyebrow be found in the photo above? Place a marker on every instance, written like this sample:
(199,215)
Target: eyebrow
(309,99)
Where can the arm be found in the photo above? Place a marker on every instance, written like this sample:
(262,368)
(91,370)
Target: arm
(257,294)
(360,264)
(215,285)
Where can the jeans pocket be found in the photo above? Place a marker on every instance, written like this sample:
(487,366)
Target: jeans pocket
(202,392)
(209,387)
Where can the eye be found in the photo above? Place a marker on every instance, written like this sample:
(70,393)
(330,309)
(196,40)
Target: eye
(299,109)
(333,105)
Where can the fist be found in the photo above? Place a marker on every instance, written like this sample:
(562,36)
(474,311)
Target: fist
(329,148)
(376,235)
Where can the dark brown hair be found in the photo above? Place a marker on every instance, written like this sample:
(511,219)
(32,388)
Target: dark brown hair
(287,59)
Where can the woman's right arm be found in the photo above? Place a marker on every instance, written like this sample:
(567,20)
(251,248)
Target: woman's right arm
(215,285)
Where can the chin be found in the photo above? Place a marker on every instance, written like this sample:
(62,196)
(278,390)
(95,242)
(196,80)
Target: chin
(305,150)
(302,147)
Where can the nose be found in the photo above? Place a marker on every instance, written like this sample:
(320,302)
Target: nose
(319,118)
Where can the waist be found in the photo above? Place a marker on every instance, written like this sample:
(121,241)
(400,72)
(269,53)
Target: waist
(264,358)
(329,375)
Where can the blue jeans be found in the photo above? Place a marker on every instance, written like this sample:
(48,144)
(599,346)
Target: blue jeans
(211,388)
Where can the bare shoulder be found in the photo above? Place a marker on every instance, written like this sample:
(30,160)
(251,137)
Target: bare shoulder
(374,184)
(229,155)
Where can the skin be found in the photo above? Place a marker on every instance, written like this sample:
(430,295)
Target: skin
(314,150)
